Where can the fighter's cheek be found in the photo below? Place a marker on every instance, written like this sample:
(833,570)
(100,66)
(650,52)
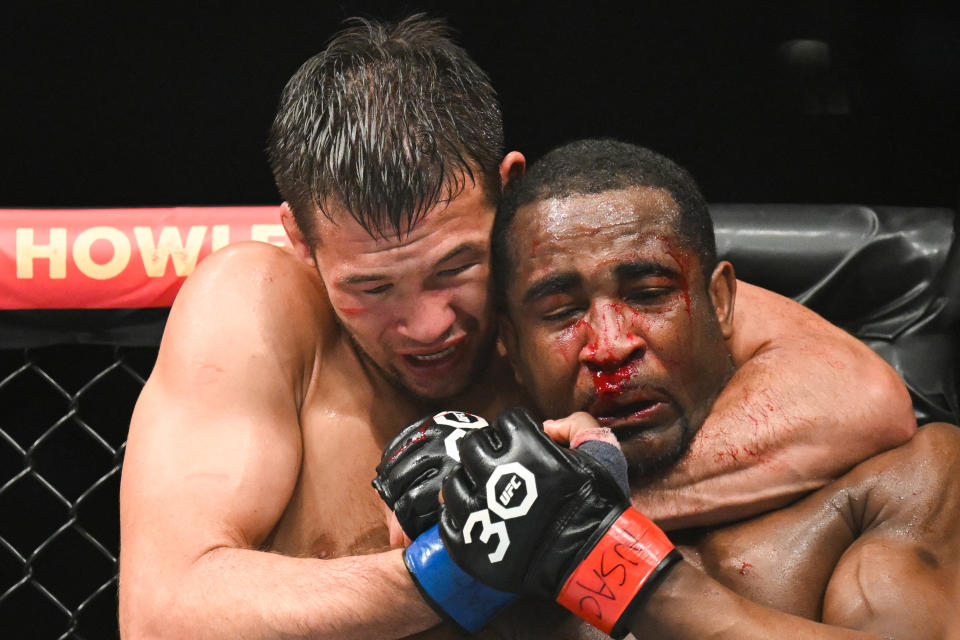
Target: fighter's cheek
(567,343)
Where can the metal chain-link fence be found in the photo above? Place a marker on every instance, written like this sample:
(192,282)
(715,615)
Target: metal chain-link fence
(64,414)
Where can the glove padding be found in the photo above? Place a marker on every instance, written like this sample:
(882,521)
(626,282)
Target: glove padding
(415,463)
(524,515)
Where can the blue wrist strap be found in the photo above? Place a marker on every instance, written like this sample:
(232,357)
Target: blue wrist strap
(453,594)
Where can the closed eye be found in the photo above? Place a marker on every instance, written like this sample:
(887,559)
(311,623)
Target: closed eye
(456,270)
(649,294)
(563,314)
(378,289)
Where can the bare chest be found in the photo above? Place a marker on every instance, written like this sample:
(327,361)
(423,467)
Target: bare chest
(345,423)
(334,511)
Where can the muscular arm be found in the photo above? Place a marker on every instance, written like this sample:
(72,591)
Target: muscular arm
(212,460)
(883,538)
(807,402)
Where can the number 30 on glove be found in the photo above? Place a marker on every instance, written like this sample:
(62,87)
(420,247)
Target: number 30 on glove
(524,515)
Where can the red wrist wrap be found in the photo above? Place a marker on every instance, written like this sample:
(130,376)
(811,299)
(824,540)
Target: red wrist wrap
(602,586)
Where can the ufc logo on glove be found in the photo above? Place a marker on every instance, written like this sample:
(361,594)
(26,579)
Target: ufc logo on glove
(519,478)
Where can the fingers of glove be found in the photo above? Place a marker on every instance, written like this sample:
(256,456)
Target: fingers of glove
(418,508)
(411,440)
(514,429)
(429,433)
(407,473)
(480,452)
(519,430)
(460,498)
(416,523)
(384,492)
(397,441)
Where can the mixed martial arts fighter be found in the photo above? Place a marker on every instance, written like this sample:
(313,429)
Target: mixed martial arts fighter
(246,507)
(616,306)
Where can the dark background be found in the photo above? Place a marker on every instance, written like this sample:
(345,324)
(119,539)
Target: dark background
(121,104)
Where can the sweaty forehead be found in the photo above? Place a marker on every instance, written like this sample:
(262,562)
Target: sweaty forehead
(558,229)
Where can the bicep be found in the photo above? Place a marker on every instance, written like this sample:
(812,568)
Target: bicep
(884,586)
(198,474)
(214,446)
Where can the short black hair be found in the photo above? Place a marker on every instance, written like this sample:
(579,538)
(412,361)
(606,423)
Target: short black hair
(594,166)
(388,121)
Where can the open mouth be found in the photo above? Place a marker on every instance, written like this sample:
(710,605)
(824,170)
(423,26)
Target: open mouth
(435,359)
(628,412)
(630,419)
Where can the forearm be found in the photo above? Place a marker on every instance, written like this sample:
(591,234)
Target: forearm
(688,604)
(790,420)
(239,593)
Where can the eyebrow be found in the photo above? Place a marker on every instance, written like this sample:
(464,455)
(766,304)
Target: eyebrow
(373,277)
(466,247)
(551,285)
(642,269)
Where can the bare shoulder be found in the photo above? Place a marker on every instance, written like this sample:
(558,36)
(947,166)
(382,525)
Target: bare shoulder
(763,318)
(840,374)
(260,274)
(255,291)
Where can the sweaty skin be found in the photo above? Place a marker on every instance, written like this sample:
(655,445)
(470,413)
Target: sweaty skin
(246,505)
(874,551)
(786,409)
(873,554)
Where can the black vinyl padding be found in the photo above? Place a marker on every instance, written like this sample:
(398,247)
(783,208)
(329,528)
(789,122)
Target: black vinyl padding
(888,275)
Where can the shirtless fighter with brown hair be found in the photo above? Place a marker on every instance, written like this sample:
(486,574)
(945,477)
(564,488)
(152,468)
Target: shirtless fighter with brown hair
(246,507)
(615,305)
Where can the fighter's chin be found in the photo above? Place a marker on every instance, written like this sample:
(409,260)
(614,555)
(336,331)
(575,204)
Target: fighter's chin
(433,391)
(438,379)
(652,448)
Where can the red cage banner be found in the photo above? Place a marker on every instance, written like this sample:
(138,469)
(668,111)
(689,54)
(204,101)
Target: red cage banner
(116,258)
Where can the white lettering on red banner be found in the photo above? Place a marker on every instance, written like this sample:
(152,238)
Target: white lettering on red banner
(113,258)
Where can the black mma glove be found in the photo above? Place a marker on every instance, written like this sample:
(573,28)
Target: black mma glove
(409,477)
(524,515)
(415,463)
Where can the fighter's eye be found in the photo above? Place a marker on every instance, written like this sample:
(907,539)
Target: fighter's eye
(378,289)
(563,314)
(456,270)
(647,294)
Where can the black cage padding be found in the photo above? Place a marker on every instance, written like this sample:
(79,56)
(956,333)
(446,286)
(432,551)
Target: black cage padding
(888,275)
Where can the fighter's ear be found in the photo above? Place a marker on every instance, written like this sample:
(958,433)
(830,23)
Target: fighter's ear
(512,167)
(723,292)
(508,343)
(299,243)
